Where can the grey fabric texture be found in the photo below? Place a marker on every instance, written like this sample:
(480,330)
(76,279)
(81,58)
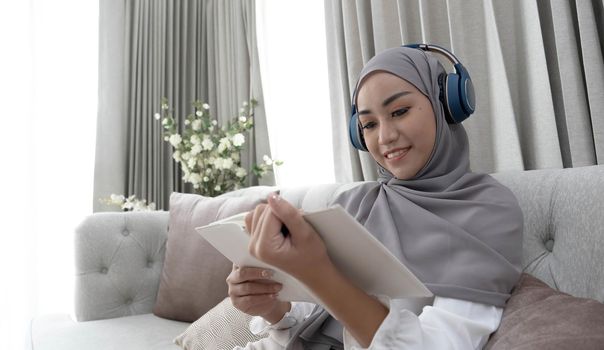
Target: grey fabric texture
(563,245)
(139,332)
(537,68)
(183,50)
(119,259)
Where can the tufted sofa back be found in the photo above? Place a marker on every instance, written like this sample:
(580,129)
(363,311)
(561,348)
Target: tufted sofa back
(119,256)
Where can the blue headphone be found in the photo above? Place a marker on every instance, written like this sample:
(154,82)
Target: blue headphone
(456,95)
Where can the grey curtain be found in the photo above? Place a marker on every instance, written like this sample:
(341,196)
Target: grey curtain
(183,50)
(537,67)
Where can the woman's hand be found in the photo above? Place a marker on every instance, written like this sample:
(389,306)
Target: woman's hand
(300,253)
(252,291)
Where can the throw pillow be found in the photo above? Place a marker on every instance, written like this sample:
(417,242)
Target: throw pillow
(223,327)
(194,272)
(539,317)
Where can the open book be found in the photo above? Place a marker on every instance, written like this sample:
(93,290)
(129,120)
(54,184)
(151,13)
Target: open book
(354,251)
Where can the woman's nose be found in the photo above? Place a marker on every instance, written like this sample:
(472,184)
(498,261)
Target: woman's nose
(387,133)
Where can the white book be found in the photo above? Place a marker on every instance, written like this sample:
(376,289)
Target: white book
(354,251)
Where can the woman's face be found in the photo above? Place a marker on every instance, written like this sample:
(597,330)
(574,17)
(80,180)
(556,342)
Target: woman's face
(398,123)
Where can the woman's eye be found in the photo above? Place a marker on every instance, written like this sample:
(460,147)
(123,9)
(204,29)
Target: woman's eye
(399,112)
(368,125)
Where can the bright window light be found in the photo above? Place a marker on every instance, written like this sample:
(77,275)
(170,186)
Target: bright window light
(293,66)
(48,96)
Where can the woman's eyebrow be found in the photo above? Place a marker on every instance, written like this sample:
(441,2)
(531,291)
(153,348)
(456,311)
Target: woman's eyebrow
(394,97)
(387,101)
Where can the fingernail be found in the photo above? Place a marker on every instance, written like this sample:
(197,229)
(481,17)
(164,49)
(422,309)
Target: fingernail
(276,197)
(267,273)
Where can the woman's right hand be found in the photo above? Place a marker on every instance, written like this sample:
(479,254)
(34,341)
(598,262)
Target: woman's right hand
(252,291)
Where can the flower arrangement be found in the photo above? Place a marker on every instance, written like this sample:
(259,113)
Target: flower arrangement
(128,203)
(210,155)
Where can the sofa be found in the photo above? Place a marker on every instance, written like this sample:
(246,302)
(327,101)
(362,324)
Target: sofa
(563,246)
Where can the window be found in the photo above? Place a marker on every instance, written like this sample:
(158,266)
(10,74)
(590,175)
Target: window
(293,66)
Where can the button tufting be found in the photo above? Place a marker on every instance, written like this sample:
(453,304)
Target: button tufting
(149,263)
(549,245)
(125,232)
(104,270)
(128,301)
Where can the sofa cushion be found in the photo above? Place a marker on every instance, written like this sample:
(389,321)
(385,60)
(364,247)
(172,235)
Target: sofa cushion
(223,327)
(539,317)
(140,332)
(194,272)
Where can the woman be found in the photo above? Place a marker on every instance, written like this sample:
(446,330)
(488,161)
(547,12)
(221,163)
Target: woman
(459,232)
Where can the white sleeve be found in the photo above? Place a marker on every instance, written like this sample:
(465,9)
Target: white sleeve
(446,324)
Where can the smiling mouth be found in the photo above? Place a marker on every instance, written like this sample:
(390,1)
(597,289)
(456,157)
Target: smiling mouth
(398,154)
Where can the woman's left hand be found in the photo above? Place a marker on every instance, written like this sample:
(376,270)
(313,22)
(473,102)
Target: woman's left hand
(300,253)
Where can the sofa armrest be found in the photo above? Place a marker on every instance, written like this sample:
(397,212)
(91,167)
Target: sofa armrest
(119,259)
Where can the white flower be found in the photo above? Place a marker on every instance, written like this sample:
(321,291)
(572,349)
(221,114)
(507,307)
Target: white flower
(240,172)
(176,156)
(195,140)
(224,144)
(214,122)
(209,171)
(217,188)
(128,205)
(164,106)
(196,125)
(199,113)
(242,119)
(227,163)
(191,162)
(244,103)
(235,156)
(166,138)
(207,144)
(151,206)
(211,128)
(206,179)
(187,122)
(157,116)
(117,199)
(165,121)
(175,140)
(218,163)
(267,160)
(206,106)
(185,156)
(238,139)
(195,178)
(195,150)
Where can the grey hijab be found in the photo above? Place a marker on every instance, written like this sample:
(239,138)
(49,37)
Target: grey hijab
(459,232)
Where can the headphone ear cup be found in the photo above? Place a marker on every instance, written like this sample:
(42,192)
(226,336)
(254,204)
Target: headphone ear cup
(355,132)
(460,94)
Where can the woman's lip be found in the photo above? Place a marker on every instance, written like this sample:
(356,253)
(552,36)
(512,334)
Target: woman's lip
(405,152)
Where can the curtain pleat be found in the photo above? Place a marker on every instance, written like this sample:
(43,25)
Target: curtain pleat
(183,50)
(537,68)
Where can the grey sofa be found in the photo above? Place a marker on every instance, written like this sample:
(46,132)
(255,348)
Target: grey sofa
(119,257)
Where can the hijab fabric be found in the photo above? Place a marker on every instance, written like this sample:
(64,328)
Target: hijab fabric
(459,232)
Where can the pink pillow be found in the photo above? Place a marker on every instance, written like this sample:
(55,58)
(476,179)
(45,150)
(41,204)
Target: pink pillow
(194,273)
(539,317)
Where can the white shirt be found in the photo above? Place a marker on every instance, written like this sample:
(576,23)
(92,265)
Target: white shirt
(446,324)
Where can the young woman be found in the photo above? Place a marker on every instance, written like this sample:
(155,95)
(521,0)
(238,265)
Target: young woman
(459,232)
